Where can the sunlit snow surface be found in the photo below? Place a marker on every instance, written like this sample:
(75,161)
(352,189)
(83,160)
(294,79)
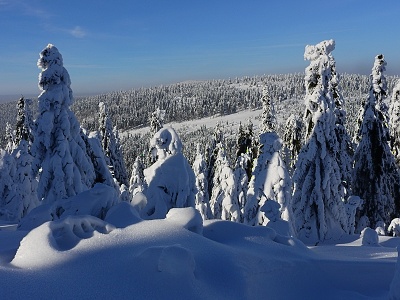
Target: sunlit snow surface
(179,258)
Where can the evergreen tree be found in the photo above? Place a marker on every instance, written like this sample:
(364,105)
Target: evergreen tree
(60,153)
(394,122)
(10,201)
(212,154)
(344,154)
(24,179)
(171,180)
(242,181)
(24,125)
(111,146)
(10,138)
(137,183)
(318,209)
(202,197)
(270,180)
(293,140)
(268,114)
(156,120)
(224,201)
(375,176)
(245,145)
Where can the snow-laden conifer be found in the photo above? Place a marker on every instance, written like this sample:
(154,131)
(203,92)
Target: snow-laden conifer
(241,181)
(24,126)
(60,154)
(344,153)
(270,180)
(375,175)
(293,141)
(24,179)
(224,201)
(171,180)
(202,198)
(10,138)
(318,208)
(394,122)
(10,201)
(111,146)
(137,183)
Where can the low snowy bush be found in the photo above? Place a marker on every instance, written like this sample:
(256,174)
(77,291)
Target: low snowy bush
(369,237)
(394,227)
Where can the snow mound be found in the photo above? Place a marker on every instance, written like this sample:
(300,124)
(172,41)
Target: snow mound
(176,260)
(189,218)
(95,202)
(122,215)
(252,238)
(369,237)
(42,246)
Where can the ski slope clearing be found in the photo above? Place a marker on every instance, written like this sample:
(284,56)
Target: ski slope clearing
(180,258)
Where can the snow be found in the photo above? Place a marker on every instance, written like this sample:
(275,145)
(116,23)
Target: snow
(182,257)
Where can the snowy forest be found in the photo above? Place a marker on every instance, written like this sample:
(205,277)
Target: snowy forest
(319,161)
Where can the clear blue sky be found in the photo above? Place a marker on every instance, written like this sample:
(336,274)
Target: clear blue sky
(113,45)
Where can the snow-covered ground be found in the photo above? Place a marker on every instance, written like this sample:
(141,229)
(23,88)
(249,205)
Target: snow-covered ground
(81,257)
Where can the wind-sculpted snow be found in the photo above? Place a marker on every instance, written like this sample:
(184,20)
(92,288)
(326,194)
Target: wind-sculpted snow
(95,202)
(84,257)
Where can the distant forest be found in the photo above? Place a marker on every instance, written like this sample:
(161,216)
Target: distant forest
(198,99)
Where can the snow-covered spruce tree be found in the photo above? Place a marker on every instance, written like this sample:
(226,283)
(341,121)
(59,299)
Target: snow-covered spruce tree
(111,146)
(10,202)
(137,183)
(10,138)
(224,201)
(24,126)
(202,198)
(293,141)
(171,180)
(394,122)
(270,180)
(318,208)
(25,181)
(242,181)
(245,145)
(212,154)
(60,154)
(268,118)
(376,176)
(156,120)
(344,154)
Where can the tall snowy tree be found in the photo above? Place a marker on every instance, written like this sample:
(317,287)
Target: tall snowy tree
(394,122)
(24,126)
(137,183)
(10,138)
(344,153)
(224,201)
(212,154)
(111,146)
(268,118)
(156,120)
(318,208)
(270,180)
(245,145)
(292,140)
(60,153)
(242,181)
(10,202)
(375,176)
(202,198)
(24,179)
(171,180)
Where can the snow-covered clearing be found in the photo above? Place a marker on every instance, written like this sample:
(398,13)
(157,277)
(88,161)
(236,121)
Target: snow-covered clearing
(179,258)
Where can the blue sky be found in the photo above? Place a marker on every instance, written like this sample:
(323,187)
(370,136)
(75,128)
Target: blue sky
(114,45)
